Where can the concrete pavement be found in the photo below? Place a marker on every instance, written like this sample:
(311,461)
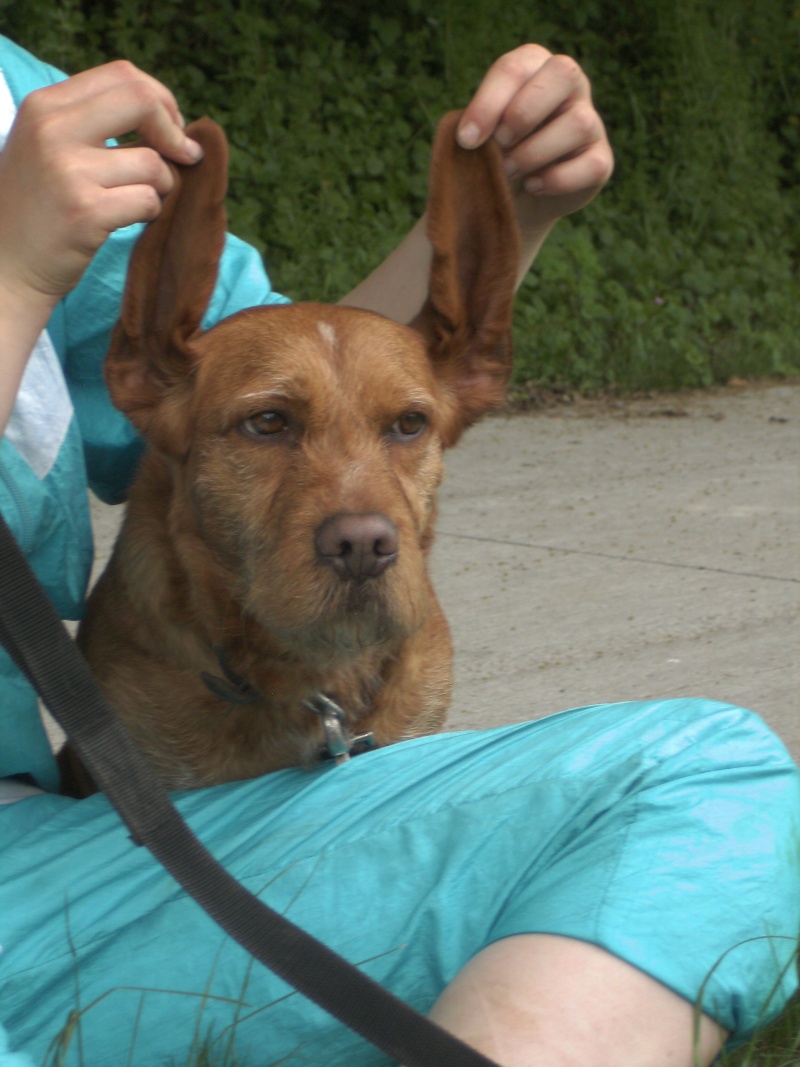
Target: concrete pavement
(599,552)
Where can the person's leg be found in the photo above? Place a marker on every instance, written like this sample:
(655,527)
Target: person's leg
(535,1000)
(665,832)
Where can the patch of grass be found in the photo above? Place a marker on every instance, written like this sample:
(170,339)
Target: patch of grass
(776,1046)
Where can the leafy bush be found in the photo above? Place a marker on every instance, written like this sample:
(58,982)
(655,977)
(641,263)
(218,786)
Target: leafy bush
(684,272)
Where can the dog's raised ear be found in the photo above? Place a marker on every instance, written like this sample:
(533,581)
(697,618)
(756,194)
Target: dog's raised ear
(171,277)
(466,319)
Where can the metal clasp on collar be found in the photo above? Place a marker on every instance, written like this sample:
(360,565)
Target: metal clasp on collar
(339,745)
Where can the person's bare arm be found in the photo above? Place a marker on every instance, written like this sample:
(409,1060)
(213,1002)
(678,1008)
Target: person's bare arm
(62,191)
(539,108)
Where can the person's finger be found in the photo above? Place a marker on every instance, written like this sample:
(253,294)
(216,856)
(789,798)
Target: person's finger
(500,84)
(115,106)
(132,165)
(573,131)
(134,108)
(89,83)
(584,174)
(557,86)
(115,208)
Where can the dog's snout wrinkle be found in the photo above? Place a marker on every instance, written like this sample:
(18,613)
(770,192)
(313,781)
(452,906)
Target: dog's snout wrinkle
(358,545)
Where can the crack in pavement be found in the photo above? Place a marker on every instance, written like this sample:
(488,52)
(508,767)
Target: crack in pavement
(618,556)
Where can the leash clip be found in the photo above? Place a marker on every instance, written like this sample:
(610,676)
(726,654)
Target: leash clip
(339,745)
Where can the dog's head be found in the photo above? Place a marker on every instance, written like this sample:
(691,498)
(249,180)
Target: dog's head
(305,440)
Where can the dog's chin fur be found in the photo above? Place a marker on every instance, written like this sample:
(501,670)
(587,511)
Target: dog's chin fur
(346,620)
(342,637)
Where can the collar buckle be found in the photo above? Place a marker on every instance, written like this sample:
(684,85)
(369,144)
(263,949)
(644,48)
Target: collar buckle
(339,744)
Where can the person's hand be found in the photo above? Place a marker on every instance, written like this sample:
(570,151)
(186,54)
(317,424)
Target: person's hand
(538,107)
(63,190)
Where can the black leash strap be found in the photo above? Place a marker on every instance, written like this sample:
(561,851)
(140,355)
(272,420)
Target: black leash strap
(40,646)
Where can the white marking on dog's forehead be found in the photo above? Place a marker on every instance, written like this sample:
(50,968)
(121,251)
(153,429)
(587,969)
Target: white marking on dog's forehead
(328,334)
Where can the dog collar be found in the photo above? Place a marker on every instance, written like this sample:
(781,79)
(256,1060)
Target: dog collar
(339,744)
(232,687)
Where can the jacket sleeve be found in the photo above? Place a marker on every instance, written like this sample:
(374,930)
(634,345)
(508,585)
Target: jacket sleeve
(23,72)
(112,446)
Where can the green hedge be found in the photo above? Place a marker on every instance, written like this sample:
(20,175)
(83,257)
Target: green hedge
(684,271)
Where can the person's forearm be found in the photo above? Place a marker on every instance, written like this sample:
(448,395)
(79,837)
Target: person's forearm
(398,287)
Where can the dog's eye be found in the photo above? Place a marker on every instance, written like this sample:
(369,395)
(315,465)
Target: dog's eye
(265,424)
(410,424)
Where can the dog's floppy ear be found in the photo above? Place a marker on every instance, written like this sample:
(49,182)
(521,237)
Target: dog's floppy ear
(466,320)
(171,277)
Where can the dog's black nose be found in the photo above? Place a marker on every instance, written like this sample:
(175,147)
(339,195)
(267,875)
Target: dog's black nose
(357,546)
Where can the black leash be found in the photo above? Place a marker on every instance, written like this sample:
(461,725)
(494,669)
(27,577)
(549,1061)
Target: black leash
(40,646)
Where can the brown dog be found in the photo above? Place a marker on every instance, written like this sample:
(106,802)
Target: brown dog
(273,557)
